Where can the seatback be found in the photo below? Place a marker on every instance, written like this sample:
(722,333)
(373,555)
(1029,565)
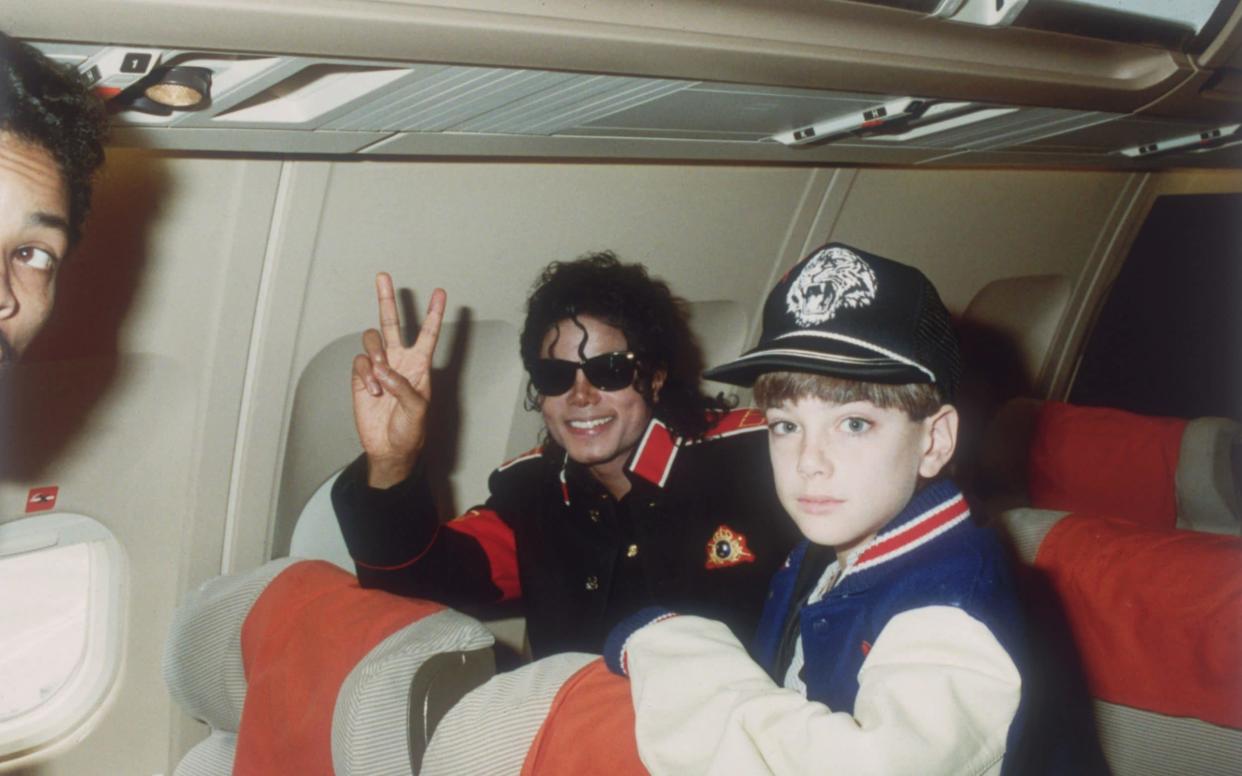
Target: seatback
(296,669)
(1133,531)
(1058,456)
(563,715)
(1006,334)
(1156,619)
(1022,314)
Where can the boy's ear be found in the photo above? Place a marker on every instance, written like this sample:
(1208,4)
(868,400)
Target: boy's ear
(939,440)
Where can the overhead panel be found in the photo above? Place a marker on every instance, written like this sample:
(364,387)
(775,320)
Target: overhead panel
(446,98)
(577,101)
(1181,25)
(708,111)
(277,104)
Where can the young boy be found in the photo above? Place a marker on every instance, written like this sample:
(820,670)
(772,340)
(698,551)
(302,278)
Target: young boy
(888,643)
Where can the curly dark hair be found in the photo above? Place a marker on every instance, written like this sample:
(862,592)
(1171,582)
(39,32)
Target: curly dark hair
(54,108)
(652,319)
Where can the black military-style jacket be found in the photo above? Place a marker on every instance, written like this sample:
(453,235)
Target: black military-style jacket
(700,532)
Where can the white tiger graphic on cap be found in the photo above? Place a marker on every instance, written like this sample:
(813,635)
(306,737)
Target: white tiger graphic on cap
(833,278)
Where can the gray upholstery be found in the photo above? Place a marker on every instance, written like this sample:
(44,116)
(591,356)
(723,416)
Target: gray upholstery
(1027,528)
(1206,481)
(1142,743)
(205,675)
(371,720)
(1135,742)
(1207,495)
(489,732)
(437,687)
(202,663)
(212,756)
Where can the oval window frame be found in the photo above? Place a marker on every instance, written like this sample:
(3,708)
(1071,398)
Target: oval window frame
(78,702)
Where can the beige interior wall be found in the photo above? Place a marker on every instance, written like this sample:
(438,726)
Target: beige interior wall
(129,405)
(967,227)
(483,232)
(217,301)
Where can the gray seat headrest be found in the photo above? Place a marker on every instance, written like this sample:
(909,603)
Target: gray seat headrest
(1207,476)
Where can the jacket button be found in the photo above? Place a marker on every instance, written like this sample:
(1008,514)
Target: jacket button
(631,551)
(594,515)
(592,583)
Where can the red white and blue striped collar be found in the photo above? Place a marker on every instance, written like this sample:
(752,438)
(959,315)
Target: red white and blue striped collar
(932,512)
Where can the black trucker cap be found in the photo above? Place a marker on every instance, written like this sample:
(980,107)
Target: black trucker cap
(848,313)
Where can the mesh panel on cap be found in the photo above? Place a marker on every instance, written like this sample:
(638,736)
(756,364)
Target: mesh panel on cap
(935,342)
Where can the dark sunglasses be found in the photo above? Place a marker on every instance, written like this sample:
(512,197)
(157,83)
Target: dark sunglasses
(607,372)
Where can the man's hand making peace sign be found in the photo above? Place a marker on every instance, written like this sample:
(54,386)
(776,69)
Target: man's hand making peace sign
(392,388)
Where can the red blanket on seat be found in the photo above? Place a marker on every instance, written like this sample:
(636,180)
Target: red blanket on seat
(589,729)
(308,629)
(1156,615)
(1096,459)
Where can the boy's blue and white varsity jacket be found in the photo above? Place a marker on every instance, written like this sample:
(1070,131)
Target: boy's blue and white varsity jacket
(910,662)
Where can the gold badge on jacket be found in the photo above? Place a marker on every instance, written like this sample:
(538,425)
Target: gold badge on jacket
(727,548)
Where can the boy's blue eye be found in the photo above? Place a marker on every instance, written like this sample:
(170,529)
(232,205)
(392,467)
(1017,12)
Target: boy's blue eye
(857,425)
(781,427)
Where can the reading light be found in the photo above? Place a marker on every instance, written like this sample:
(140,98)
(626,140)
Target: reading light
(181,88)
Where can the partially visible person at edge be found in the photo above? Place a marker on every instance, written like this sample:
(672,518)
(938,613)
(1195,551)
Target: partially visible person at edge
(51,143)
(644,491)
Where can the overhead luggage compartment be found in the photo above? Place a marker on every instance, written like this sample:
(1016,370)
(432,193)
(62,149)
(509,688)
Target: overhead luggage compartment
(731,81)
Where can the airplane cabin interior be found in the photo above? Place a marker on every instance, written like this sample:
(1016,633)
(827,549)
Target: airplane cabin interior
(1068,173)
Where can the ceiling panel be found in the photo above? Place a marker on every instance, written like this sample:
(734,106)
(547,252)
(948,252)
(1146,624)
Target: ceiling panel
(318,105)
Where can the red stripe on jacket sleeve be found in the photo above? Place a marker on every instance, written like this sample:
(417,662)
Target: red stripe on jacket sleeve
(496,538)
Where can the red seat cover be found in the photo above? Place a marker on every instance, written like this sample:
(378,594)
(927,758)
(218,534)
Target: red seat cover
(589,729)
(1096,459)
(1156,615)
(305,633)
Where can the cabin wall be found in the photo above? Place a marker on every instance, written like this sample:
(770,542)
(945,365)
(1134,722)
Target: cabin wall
(129,405)
(194,388)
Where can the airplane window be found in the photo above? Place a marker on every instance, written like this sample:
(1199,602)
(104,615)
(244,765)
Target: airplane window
(42,641)
(1169,337)
(62,647)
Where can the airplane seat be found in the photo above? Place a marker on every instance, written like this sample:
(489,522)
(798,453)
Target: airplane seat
(1165,472)
(1026,311)
(316,533)
(296,669)
(202,664)
(1130,543)
(1006,332)
(1209,476)
(563,715)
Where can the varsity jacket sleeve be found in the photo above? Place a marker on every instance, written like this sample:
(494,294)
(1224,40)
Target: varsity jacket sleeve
(936,695)
(399,545)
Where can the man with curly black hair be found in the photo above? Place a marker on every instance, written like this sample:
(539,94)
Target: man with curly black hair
(51,144)
(645,489)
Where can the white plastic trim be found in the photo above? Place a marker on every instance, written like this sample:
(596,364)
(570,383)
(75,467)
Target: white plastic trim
(76,702)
